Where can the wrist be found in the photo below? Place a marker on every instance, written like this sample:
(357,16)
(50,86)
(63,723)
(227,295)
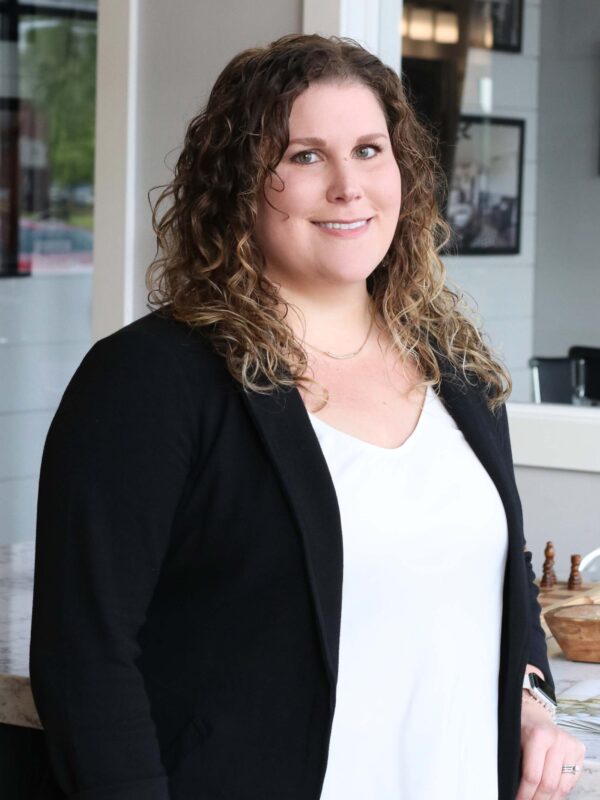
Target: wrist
(536,705)
(538,693)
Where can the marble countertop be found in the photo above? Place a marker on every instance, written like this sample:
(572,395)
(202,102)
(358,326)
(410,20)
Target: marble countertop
(572,679)
(16,592)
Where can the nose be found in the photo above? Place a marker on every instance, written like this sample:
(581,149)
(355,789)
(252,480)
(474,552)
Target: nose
(344,184)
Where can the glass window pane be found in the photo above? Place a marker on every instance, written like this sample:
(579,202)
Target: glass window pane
(47,120)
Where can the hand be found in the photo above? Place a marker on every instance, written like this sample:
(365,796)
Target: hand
(546,748)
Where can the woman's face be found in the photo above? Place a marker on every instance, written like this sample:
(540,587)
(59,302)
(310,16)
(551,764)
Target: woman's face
(338,168)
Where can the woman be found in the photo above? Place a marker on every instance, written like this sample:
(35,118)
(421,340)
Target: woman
(307,377)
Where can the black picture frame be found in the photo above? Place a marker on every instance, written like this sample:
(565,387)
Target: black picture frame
(498,20)
(485,191)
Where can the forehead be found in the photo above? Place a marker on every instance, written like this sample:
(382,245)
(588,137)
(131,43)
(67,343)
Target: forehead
(336,108)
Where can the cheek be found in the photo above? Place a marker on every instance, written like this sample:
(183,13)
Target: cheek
(394,188)
(265,232)
(394,203)
(275,227)
(296,193)
(272,211)
(387,188)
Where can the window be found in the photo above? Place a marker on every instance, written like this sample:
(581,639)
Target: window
(47,122)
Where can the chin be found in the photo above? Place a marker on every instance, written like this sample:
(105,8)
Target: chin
(355,272)
(349,277)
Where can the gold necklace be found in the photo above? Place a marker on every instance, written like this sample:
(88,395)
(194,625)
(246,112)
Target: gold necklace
(343,356)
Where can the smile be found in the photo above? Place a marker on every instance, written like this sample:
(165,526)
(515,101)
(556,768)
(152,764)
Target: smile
(343,226)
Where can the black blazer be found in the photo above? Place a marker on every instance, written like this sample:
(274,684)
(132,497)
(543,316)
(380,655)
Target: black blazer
(188,580)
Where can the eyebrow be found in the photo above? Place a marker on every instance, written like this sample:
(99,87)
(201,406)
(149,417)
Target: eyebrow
(315,141)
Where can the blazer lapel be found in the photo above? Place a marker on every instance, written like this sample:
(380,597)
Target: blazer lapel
(288,435)
(289,438)
(467,406)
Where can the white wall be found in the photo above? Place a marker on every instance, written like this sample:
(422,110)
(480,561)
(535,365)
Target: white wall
(567,289)
(561,506)
(503,286)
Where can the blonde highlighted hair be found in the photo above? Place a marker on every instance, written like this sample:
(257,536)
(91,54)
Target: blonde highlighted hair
(209,271)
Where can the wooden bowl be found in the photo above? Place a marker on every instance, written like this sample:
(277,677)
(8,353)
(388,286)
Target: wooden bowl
(577,631)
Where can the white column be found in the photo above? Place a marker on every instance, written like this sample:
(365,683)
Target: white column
(322,16)
(375,24)
(113,285)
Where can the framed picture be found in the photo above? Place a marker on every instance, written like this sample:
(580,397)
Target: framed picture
(497,24)
(484,197)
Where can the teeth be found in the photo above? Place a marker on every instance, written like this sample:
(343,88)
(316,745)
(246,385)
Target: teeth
(343,226)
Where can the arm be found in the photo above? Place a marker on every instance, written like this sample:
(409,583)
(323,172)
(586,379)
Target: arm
(114,464)
(545,747)
(537,654)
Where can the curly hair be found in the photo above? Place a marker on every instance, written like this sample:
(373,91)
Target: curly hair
(210,271)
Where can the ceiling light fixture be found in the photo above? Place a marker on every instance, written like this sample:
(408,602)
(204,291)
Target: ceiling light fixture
(420,24)
(446,27)
(430,25)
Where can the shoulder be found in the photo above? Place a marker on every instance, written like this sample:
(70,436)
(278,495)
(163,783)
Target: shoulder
(159,335)
(468,399)
(155,372)
(156,349)
(156,380)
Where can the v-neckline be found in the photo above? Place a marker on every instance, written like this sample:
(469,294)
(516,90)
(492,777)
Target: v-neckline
(318,422)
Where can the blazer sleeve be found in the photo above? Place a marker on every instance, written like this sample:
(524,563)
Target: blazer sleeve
(537,654)
(114,464)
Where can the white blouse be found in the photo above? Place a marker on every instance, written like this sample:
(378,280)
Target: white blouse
(425,541)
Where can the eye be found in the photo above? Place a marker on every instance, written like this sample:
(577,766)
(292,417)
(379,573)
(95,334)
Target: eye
(364,147)
(302,158)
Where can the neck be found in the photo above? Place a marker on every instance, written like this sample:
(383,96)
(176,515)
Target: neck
(335,321)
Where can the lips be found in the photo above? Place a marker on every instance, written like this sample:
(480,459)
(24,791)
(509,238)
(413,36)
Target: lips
(344,230)
(343,225)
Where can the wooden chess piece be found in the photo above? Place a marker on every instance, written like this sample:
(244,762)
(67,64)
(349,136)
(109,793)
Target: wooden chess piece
(575,576)
(548,574)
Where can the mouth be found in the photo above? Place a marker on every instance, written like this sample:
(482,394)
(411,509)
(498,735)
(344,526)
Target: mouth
(343,225)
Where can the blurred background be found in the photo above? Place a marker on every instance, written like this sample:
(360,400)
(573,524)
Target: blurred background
(47,147)
(94,101)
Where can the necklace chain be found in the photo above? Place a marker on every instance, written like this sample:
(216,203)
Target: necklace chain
(344,356)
